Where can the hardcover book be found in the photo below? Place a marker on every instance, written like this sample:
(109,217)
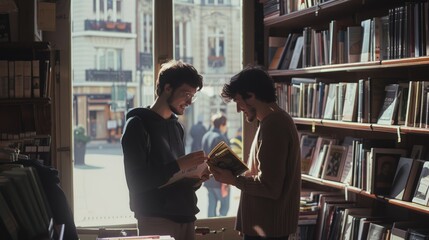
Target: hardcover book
(390,105)
(421,195)
(405,178)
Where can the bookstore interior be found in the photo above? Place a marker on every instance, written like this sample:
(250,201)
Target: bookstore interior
(353,74)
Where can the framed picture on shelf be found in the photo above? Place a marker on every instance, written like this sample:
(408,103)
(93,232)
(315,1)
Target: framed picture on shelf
(384,163)
(334,163)
(421,195)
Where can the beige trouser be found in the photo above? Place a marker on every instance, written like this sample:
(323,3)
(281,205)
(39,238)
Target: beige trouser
(162,226)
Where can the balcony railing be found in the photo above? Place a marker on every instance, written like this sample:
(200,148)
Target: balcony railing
(102,25)
(145,60)
(94,75)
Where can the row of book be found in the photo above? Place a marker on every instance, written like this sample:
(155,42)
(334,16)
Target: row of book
(30,145)
(376,167)
(341,218)
(381,101)
(273,8)
(24,210)
(401,34)
(26,69)
(24,78)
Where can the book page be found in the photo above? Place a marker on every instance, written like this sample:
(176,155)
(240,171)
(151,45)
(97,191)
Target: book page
(194,172)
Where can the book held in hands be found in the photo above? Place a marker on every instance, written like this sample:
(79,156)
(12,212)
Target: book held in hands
(222,156)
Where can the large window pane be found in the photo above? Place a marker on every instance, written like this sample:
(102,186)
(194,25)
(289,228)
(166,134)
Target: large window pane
(112,72)
(112,65)
(209,37)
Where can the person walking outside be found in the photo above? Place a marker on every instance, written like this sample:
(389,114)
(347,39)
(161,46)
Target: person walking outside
(218,193)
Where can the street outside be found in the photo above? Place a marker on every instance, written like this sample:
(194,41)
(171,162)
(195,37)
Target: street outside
(101,193)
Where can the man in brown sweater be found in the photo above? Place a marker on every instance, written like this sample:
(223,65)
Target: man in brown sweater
(270,190)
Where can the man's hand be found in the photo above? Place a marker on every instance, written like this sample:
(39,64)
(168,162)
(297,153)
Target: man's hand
(204,177)
(192,159)
(222,175)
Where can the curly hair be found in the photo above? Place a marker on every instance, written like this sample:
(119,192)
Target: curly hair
(252,79)
(177,73)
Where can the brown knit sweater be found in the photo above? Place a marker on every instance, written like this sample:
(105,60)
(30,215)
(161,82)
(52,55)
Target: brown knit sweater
(270,190)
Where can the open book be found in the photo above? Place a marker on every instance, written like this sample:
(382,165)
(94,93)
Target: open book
(195,172)
(222,156)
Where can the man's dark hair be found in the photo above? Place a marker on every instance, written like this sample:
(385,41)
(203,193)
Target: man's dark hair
(218,120)
(177,73)
(252,79)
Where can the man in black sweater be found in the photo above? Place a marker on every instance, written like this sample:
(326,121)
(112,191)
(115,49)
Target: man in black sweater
(154,150)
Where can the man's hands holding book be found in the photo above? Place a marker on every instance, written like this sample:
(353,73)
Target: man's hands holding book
(222,175)
(191,160)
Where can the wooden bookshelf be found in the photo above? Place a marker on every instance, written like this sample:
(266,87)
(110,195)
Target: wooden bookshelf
(399,68)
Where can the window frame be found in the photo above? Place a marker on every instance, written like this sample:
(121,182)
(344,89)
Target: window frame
(163,49)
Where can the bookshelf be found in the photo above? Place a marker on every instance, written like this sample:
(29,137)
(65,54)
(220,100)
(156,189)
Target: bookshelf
(383,66)
(26,109)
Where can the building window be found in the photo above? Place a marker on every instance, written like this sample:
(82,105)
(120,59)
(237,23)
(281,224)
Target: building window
(182,41)
(108,59)
(110,10)
(216,47)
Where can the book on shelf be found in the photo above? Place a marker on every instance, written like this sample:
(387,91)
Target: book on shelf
(400,229)
(415,233)
(4,79)
(390,105)
(354,37)
(288,51)
(366,41)
(405,178)
(411,102)
(296,60)
(307,144)
(27,79)
(350,102)
(331,102)
(381,167)
(417,151)
(379,231)
(323,198)
(319,154)
(334,162)
(423,105)
(375,97)
(421,194)
(11,77)
(26,192)
(275,52)
(9,190)
(9,228)
(35,81)
(351,220)
(327,215)
(19,79)
(346,175)
(341,92)
(402,103)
